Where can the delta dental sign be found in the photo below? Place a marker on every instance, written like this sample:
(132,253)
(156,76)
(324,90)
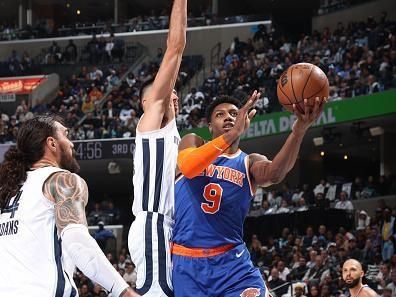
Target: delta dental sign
(283,123)
(335,112)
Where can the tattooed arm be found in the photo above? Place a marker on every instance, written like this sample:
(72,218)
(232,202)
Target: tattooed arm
(69,192)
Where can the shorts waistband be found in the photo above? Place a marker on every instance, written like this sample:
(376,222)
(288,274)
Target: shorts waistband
(200,252)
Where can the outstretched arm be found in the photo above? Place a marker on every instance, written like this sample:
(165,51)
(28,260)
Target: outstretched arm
(69,192)
(157,97)
(265,172)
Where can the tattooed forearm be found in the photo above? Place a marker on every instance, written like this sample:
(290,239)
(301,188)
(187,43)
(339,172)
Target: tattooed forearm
(70,194)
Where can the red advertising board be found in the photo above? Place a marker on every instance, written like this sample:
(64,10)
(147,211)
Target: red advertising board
(20,85)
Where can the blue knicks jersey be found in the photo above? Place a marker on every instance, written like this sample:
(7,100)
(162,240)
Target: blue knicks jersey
(210,209)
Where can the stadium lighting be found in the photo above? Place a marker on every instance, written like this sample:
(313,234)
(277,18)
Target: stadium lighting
(322,153)
(345,157)
(376,131)
(78,12)
(67,5)
(318,141)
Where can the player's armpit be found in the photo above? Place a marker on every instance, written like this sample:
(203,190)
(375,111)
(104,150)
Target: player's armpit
(69,192)
(193,161)
(261,171)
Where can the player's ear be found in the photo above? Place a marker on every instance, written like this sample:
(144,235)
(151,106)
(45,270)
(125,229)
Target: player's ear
(210,128)
(51,143)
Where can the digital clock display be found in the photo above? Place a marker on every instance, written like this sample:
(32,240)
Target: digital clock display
(98,149)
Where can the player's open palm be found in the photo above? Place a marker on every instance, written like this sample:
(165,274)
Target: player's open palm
(310,115)
(246,113)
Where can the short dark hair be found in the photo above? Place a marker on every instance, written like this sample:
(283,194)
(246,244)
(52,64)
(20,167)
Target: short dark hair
(218,101)
(144,85)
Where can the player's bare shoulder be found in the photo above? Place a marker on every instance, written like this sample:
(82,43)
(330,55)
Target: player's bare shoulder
(69,192)
(368,292)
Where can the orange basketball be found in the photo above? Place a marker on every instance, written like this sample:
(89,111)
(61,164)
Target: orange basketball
(302,81)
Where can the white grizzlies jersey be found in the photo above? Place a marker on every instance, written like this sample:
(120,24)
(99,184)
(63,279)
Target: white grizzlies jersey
(154,170)
(30,250)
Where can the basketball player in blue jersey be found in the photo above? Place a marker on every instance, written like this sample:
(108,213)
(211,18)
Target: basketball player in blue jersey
(155,158)
(212,198)
(43,229)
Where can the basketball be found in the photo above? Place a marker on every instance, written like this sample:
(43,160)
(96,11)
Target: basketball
(302,81)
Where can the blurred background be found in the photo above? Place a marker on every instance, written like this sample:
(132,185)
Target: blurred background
(85,60)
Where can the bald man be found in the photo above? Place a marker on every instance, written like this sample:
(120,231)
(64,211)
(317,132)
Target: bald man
(352,274)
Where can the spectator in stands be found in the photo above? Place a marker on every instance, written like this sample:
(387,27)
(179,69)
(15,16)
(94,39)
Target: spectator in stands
(283,270)
(314,291)
(122,261)
(112,213)
(130,275)
(302,206)
(384,276)
(70,53)
(276,284)
(299,272)
(93,50)
(95,94)
(284,207)
(392,285)
(321,187)
(369,190)
(299,290)
(353,251)
(317,272)
(388,231)
(343,203)
(363,220)
(308,238)
(88,105)
(102,235)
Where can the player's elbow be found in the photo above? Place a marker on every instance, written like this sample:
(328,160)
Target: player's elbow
(272,177)
(276,177)
(176,45)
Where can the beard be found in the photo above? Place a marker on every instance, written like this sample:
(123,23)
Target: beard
(69,162)
(352,284)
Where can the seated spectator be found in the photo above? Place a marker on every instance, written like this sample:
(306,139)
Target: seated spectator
(353,251)
(314,291)
(388,231)
(321,187)
(343,203)
(276,284)
(369,190)
(283,270)
(284,208)
(112,213)
(130,275)
(363,220)
(302,206)
(102,235)
(317,272)
(299,272)
(308,238)
(392,284)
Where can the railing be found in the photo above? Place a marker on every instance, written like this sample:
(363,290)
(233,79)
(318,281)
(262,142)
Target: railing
(80,29)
